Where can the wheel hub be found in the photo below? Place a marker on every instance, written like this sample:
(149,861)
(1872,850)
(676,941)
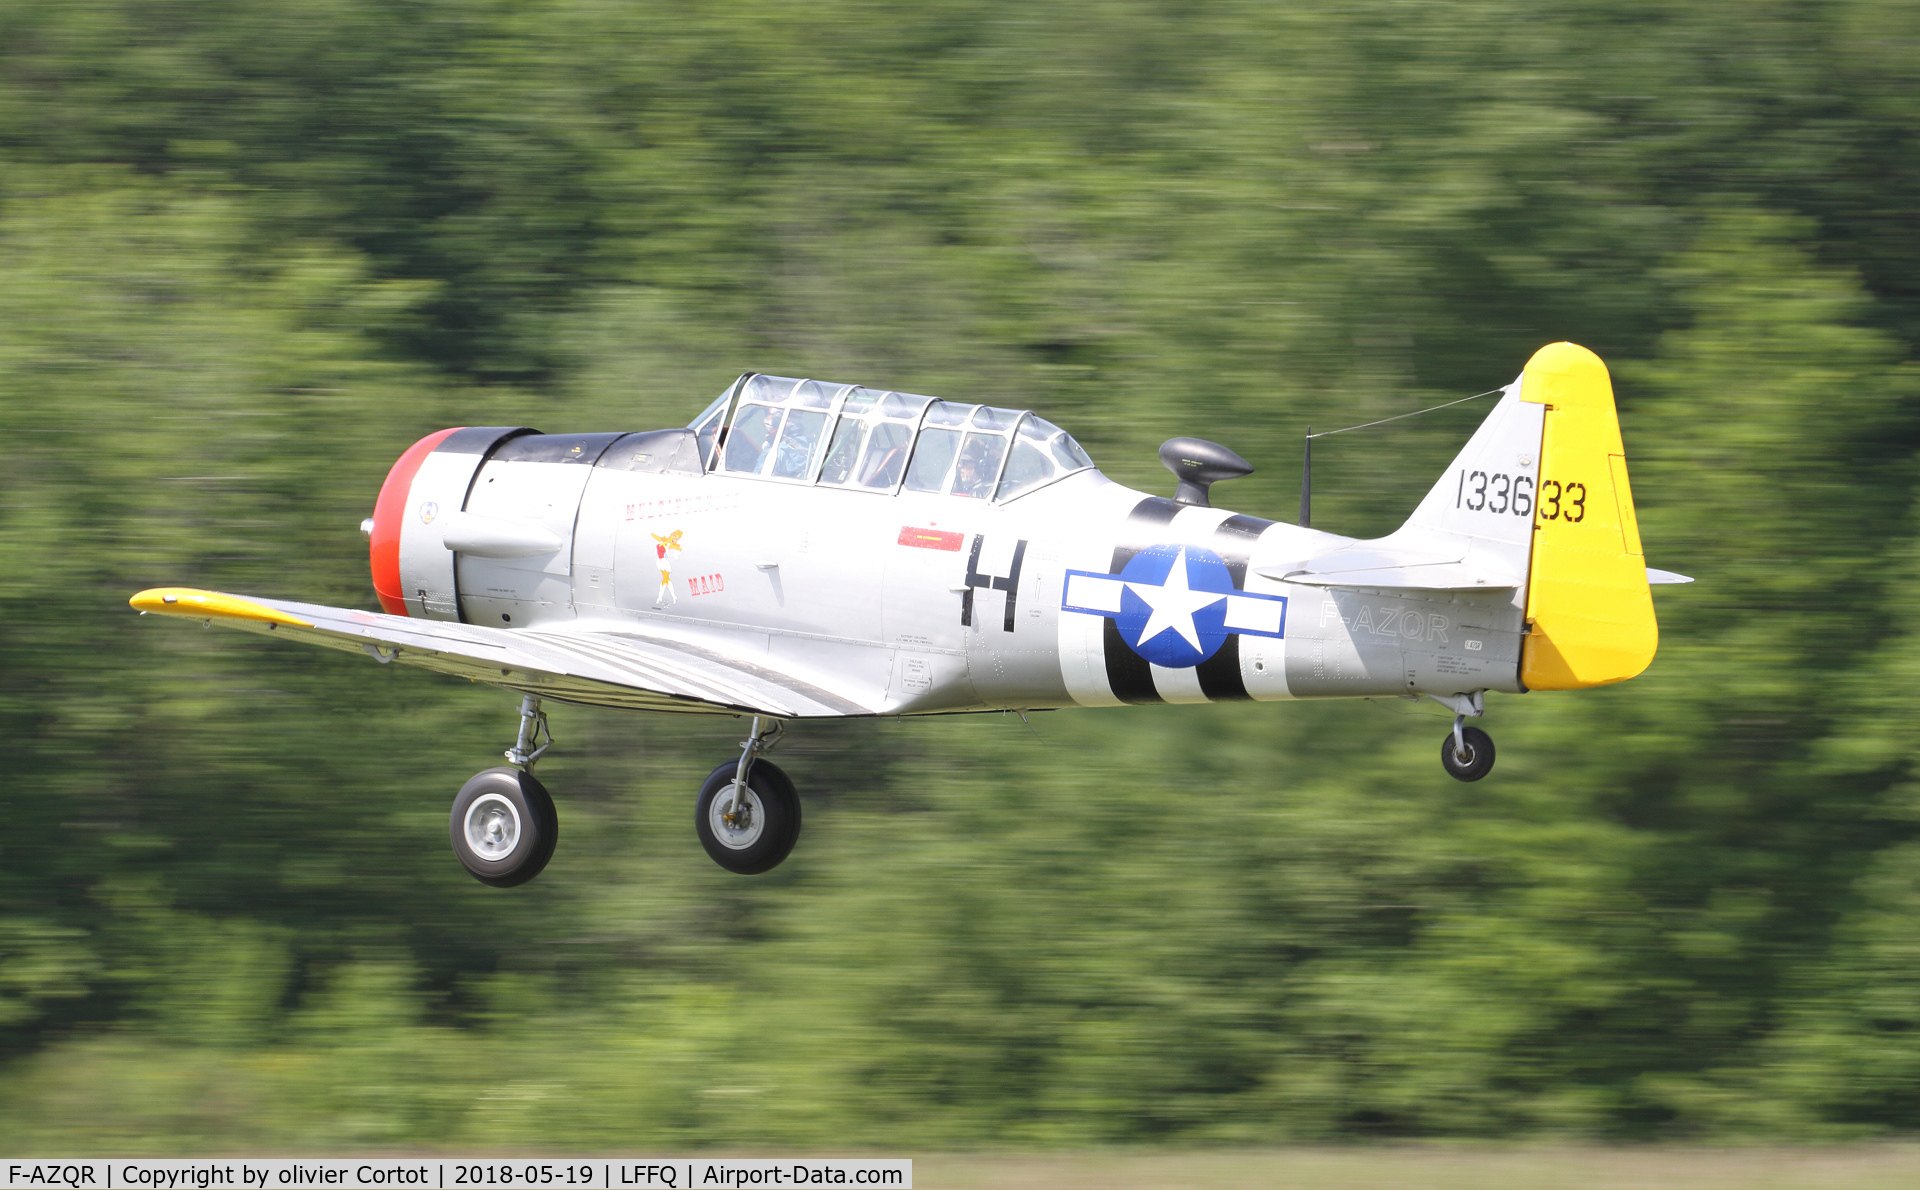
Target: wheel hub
(740,828)
(492,827)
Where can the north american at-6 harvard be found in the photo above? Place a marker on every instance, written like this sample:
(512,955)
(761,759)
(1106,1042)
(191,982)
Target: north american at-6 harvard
(807,550)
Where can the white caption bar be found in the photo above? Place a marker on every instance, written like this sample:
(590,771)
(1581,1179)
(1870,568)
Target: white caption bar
(332,1173)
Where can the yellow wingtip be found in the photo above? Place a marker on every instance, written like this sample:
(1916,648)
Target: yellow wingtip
(198,604)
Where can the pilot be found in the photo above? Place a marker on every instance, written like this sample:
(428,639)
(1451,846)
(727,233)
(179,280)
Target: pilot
(972,475)
(752,435)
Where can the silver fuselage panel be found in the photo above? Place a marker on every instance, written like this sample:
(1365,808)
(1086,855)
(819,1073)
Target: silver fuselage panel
(1080,592)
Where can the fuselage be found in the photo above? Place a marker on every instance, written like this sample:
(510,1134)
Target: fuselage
(1077,592)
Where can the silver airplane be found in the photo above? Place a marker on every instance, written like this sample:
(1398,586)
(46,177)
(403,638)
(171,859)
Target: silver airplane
(806,550)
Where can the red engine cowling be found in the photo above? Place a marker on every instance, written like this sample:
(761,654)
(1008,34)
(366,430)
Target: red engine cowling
(412,568)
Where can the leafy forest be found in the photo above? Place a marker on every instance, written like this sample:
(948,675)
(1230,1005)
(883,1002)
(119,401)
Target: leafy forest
(251,249)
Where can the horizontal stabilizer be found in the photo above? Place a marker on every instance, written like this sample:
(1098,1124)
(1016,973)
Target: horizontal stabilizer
(1442,576)
(1657,577)
(1373,566)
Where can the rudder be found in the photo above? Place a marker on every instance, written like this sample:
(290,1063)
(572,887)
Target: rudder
(1589,611)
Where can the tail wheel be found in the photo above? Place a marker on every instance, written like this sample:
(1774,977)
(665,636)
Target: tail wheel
(755,836)
(1471,759)
(503,827)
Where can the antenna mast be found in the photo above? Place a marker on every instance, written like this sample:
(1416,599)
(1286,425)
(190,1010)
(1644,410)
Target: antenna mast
(1306,482)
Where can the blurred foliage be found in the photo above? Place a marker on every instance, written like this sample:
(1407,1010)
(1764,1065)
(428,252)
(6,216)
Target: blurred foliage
(251,250)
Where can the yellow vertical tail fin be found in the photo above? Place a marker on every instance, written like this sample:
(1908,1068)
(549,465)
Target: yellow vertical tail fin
(1589,611)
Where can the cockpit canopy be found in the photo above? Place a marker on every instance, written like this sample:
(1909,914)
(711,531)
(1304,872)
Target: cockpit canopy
(846,436)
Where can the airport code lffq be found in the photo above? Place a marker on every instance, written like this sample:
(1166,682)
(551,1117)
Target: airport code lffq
(454,1173)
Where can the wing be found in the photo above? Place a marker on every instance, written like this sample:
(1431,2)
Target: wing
(635,668)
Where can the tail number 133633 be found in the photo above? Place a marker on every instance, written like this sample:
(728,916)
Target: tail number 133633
(1502,494)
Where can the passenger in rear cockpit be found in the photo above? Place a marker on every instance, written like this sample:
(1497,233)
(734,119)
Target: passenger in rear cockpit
(797,443)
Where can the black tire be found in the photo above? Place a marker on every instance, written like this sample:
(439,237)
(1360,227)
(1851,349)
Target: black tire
(1478,761)
(503,827)
(772,830)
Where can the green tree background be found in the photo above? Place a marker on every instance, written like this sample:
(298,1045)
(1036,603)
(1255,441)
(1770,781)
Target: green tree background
(250,250)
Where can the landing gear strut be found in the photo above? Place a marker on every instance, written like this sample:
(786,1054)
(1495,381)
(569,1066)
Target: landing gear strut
(503,824)
(748,815)
(533,727)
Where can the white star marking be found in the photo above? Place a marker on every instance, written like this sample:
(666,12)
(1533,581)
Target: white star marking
(1174,604)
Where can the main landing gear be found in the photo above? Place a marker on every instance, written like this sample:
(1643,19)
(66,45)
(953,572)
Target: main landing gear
(503,824)
(748,815)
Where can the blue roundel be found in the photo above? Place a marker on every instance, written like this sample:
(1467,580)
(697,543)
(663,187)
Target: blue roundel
(1173,610)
